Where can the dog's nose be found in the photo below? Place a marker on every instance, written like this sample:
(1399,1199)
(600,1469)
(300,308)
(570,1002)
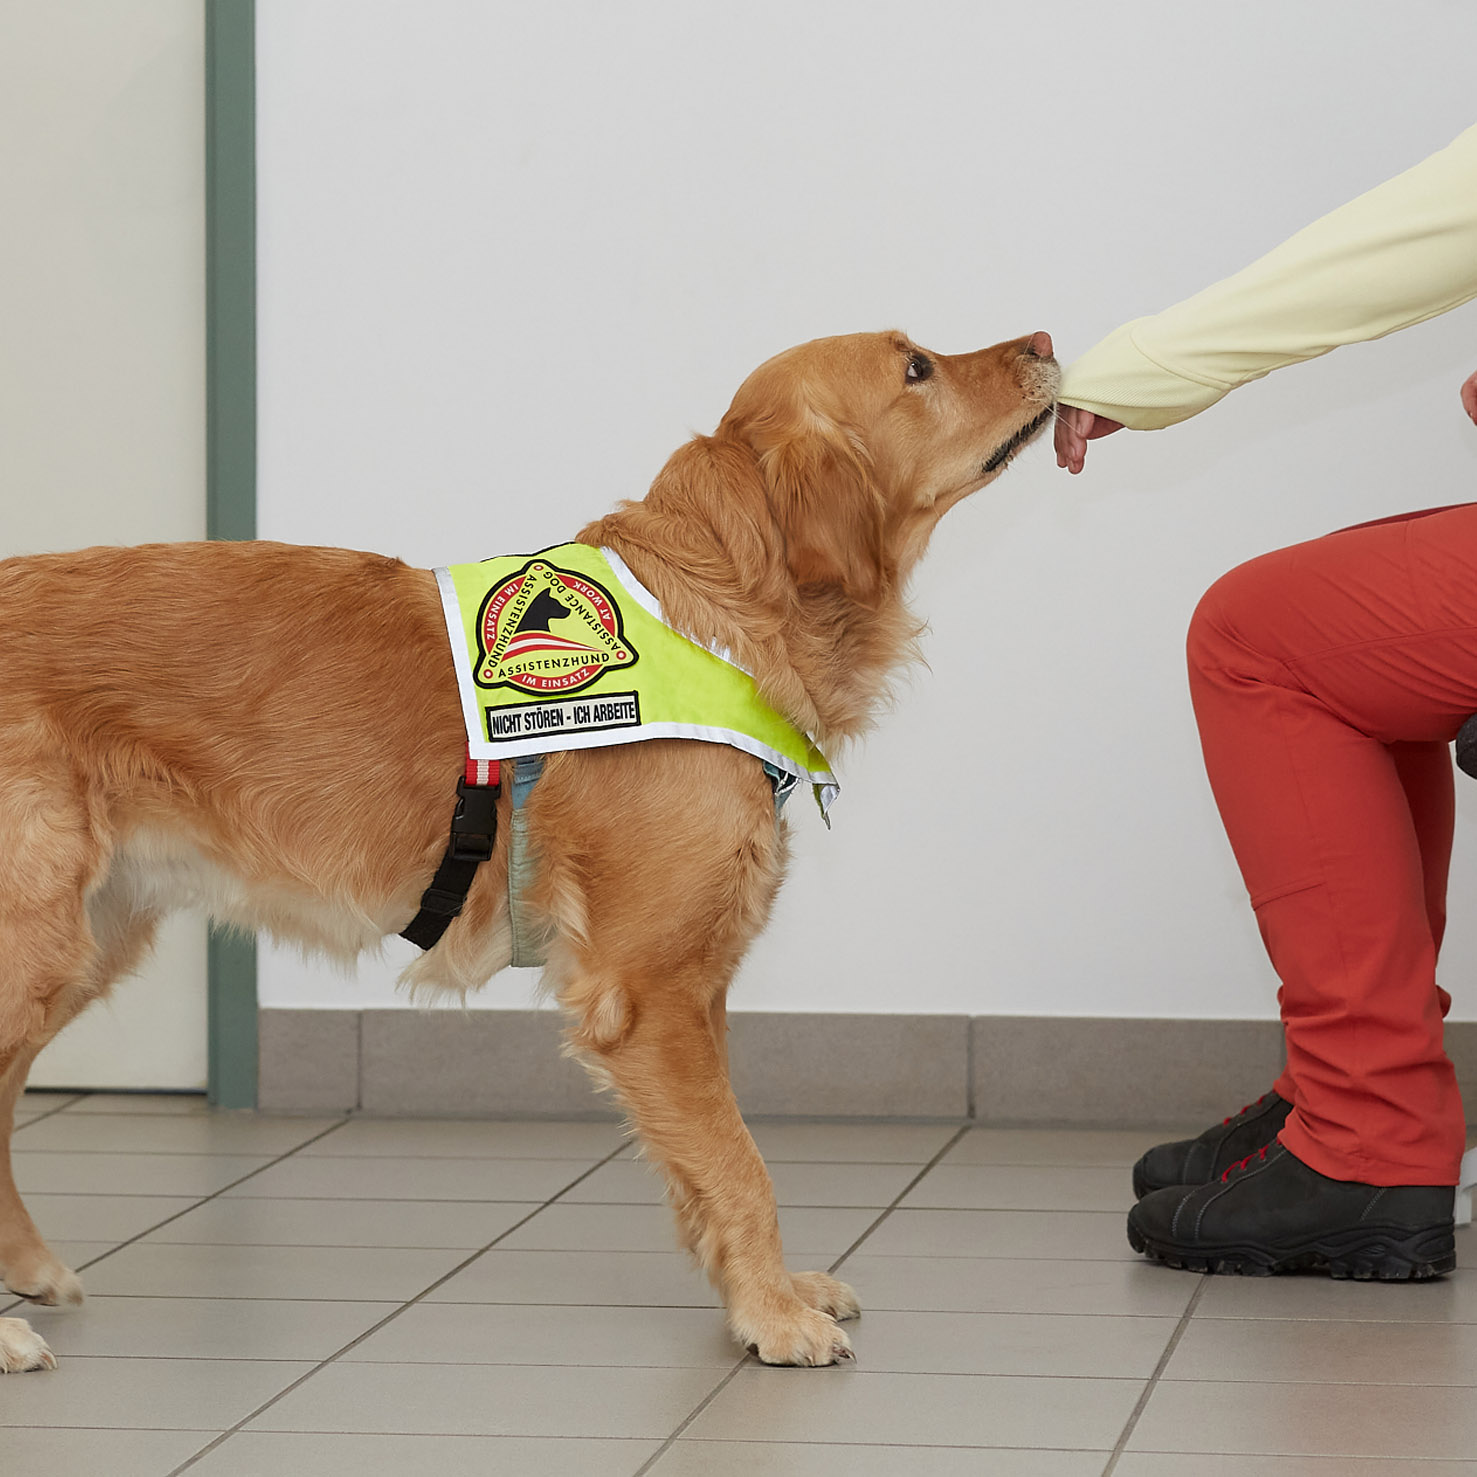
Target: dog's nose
(1039,344)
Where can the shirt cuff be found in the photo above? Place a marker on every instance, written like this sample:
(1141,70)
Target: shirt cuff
(1118,379)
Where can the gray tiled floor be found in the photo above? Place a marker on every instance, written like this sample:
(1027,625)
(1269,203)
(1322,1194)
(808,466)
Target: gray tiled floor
(325,1297)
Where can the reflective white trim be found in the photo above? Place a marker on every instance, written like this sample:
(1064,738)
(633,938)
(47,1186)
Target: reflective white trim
(451,611)
(824,780)
(653,607)
(638,592)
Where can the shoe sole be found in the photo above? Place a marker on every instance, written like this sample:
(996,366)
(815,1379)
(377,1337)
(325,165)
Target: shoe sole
(1368,1254)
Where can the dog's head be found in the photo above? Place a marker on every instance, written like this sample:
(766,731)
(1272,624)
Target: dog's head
(865,441)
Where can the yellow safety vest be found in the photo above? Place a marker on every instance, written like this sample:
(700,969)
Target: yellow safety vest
(566,649)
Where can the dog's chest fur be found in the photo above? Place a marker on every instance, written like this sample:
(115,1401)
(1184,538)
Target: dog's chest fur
(156,871)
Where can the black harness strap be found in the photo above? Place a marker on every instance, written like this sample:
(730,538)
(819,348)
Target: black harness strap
(473,832)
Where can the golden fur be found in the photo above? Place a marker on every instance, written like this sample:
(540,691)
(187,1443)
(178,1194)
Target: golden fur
(182,724)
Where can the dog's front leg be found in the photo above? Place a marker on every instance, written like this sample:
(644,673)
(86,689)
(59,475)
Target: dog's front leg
(660,1049)
(27,1265)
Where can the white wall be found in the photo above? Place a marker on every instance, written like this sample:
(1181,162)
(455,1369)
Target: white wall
(102,378)
(512,255)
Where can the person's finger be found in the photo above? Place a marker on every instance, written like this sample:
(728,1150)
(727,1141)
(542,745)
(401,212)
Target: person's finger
(1075,427)
(1061,436)
(1070,442)
(1060,433)
(1469,398)
(1102,426)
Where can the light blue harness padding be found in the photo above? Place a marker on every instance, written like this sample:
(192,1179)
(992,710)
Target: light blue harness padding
(784,785)
(530,938)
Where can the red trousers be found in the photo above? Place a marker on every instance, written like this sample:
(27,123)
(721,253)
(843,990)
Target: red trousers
(1328,681)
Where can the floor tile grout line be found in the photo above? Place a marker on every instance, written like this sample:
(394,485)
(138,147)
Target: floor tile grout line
(49,1113)
(902,1194)
(583,1204)
(693,1414)
(206,1297)
(126,1154)
(1174,1340)
(491,1199)
(999,1376)
(424,1293)
(221,1153)
(732,1374)
(195,1205)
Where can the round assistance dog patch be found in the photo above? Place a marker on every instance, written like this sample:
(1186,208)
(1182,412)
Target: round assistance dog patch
(547,630)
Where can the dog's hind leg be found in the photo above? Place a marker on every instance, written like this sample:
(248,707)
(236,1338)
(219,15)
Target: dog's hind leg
(21,1348)
(28,1265)
(57,953)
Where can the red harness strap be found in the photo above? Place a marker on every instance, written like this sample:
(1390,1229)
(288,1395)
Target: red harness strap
(481,772)
(473,835)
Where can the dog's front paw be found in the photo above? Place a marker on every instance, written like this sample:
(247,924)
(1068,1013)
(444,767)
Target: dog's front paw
(21,1348)
(796,1334)
(43,1279)
(826,1295)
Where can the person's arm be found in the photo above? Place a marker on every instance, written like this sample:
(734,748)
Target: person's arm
(1396,256)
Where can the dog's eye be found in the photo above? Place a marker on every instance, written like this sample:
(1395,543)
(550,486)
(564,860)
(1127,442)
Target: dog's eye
(920,367)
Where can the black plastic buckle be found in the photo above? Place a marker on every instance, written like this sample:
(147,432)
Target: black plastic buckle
(474,822)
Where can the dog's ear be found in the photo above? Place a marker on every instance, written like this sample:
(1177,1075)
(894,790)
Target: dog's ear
(829,510)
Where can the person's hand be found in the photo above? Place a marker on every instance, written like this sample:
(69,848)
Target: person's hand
(1075,427)
(1469,402)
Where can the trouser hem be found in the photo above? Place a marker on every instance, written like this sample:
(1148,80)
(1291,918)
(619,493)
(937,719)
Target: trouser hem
(1362,1170)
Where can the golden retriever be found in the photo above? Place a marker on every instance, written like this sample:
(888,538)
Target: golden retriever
(185,724)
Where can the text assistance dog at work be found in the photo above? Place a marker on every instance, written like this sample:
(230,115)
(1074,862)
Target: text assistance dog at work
(219,756)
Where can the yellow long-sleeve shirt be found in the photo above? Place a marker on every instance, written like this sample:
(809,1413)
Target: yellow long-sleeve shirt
(1398,255)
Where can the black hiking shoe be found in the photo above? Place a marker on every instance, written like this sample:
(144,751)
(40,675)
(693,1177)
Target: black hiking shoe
(1198,1161)
(1272,1213)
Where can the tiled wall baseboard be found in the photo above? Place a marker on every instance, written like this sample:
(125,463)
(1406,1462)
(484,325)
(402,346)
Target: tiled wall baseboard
(998,1069)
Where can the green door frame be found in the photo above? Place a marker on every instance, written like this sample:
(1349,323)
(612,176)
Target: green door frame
(230,495)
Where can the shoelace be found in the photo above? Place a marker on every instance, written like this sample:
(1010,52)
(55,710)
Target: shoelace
(1259,1154)
(1244,1110)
